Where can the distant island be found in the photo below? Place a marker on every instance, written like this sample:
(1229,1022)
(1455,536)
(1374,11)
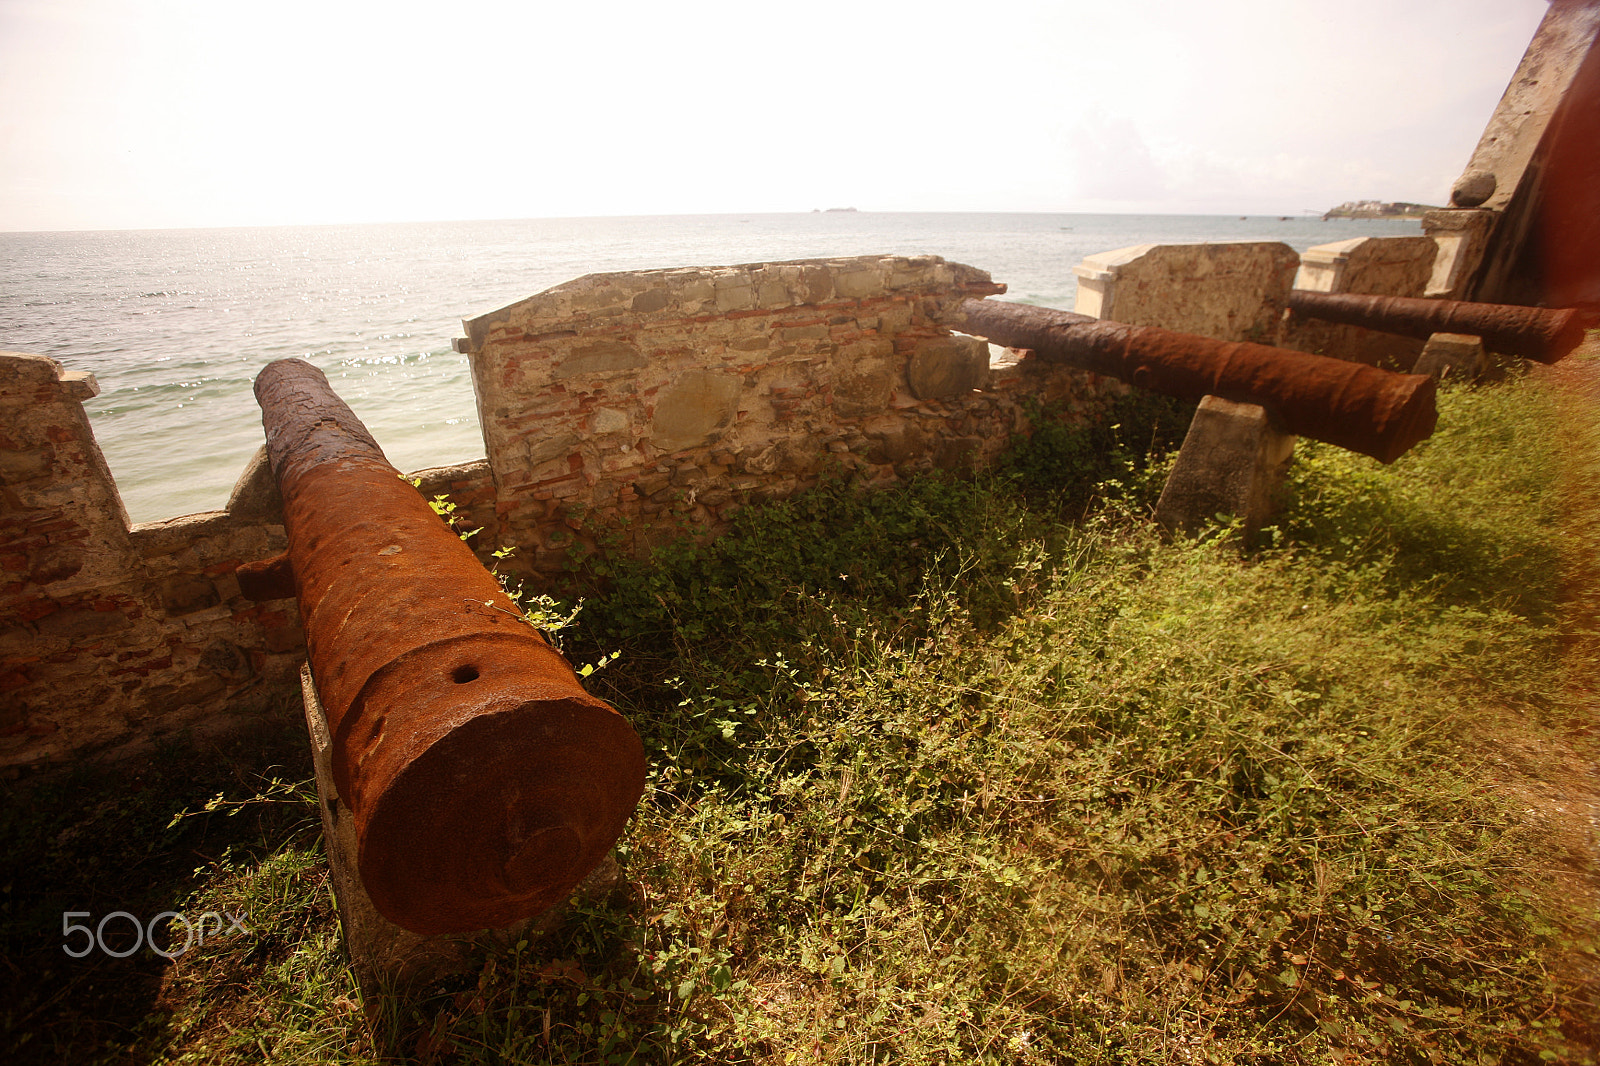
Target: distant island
(818,210)
(1378,209)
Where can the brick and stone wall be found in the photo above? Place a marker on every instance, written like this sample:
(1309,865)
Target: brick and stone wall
(111,634)
(653,403)
(665,398)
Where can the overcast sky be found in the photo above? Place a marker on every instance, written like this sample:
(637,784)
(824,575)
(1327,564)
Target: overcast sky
(154,113)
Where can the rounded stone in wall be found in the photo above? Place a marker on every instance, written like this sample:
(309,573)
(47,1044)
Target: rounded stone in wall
(1473,188)
(694,409)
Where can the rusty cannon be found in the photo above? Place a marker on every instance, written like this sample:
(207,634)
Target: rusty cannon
(1543,334)
(482,780)
(1367,410)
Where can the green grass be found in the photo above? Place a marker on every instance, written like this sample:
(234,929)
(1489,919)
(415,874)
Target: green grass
(938,776)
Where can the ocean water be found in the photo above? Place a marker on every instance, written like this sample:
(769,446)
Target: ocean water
(175,324)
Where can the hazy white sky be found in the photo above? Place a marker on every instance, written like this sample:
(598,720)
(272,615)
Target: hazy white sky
(153,113)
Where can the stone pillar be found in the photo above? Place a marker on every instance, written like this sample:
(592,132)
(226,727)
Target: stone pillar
(1455,354)
(1231,464)
(1462,236)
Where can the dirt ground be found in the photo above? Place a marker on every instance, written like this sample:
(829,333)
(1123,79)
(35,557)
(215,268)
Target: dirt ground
(1555,778)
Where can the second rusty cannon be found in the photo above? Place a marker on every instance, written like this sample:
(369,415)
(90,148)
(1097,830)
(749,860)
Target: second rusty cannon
(1362,408)
(482,780)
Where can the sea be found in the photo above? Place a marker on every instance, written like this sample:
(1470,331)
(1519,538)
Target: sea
(175,324)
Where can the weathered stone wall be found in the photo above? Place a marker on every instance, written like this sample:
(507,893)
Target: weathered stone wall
(1375,266)
(1229,290)
(652,403)
(113,635)
(1523,226)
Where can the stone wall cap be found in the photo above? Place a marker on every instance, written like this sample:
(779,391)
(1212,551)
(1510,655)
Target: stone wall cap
(474,468)
(1335,252)
(172,533)
(1109,261)
(25,367)
(666,292)
(79,384)
(1103,266)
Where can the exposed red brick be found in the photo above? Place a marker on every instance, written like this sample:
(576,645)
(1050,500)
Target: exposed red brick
(34,609)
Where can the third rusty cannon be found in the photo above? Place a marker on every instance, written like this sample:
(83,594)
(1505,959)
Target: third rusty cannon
(1367,410)
(1544,334)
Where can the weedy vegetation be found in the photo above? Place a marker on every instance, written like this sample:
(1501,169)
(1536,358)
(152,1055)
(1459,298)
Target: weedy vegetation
(990,771)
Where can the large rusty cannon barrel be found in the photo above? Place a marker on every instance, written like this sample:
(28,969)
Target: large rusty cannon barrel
(1544,334)
(483,781)
(1367,410)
